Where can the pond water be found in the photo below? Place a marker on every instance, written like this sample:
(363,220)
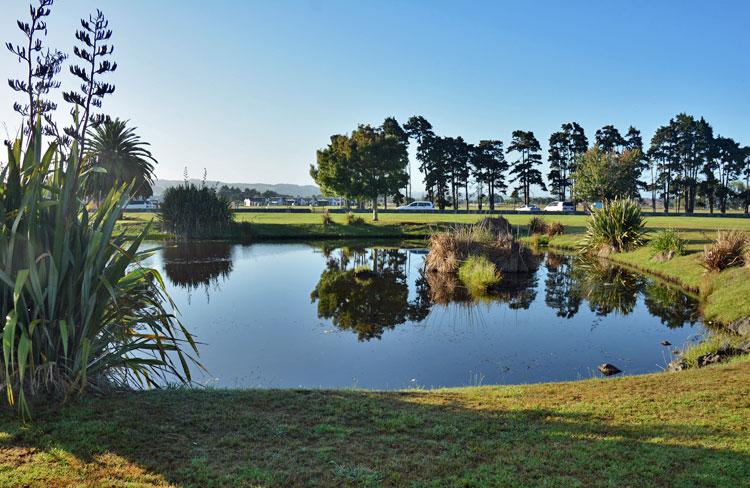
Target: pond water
(304,315)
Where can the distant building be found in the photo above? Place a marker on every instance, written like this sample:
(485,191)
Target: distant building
(147,204)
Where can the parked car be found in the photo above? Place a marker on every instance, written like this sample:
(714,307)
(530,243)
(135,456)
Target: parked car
(560,207)
(594,206)
(417,206)
(528,208)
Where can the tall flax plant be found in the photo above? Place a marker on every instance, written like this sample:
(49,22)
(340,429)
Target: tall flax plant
(618,226)
(80,310)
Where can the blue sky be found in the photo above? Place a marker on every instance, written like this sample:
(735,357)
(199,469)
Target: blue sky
(250,89)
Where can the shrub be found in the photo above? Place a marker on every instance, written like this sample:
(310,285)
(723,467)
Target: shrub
(539,240)
(353,219)
(555,229)
(193,212)
(326,218)
(667,243)
(537,225)
(478,274)
(616,227)
(82,310)
(728,250)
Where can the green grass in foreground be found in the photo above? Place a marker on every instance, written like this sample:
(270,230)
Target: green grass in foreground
(681,429)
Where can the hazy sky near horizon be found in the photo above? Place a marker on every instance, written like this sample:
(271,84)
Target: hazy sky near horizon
(250,89)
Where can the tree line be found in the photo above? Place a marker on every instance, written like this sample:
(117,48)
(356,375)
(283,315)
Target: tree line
(684,163)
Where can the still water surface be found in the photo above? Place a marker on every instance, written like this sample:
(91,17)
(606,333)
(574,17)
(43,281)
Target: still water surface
(301,315)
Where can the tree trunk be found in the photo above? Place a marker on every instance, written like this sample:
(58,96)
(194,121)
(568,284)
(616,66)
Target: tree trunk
(375,209)
(466,190)
(479,195)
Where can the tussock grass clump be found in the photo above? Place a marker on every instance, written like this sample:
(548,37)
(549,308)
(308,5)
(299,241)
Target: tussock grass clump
(729,249)
(353,219)
(537,225)
(616,227)
(555,229)
(666,244)
(478,275)
(326,218)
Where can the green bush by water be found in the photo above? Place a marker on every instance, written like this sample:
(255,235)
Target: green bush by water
(618,226)
(478,274)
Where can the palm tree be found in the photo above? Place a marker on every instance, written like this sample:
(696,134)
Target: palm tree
(116,148)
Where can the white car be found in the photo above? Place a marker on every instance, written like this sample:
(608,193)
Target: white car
(528,208)
(417,206)
(560,207)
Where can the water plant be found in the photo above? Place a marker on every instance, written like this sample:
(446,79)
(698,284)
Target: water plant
(82,311)
(666,244)
(726,251)
(478,274)
(195,212)
(616,227)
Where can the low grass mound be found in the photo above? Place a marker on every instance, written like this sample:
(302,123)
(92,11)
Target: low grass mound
(478,275)
(666,244)
(728,250)
(449,249)
(618,226)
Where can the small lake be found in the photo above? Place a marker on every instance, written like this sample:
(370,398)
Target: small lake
(306,315)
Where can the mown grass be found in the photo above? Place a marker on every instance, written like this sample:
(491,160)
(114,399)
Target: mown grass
(284,225)
(682,429)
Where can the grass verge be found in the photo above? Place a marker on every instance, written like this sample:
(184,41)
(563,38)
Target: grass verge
(683,429)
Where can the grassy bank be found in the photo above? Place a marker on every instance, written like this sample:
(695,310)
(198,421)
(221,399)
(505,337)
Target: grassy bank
(682,429)
(283,225)
(724,295)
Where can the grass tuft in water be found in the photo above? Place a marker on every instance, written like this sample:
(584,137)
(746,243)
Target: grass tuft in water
(478,275)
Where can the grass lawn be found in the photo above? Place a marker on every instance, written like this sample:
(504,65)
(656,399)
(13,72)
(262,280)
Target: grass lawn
(284,225)
(679,429)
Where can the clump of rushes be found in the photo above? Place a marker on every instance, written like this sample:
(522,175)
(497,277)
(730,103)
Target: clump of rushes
(666,244)
(196,212)
(537,225)
(352,219)
(729,249)
(478,275)
(555,229)
(616,227)
(326,218)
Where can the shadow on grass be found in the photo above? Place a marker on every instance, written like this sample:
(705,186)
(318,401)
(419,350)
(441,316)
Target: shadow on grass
(481,437)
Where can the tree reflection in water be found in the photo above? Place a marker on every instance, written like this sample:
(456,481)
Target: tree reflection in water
(194,264)
(367,291)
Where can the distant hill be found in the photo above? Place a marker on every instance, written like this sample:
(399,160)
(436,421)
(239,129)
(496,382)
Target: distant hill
(280,188)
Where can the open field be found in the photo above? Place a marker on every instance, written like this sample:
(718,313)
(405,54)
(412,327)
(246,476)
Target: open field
(284,225)
(680,429)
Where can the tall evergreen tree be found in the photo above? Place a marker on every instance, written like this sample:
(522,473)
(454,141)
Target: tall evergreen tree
(489,166)
(565,146)
(662,155)
(523,170)
(420,130)
(458,156)
(608,138)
